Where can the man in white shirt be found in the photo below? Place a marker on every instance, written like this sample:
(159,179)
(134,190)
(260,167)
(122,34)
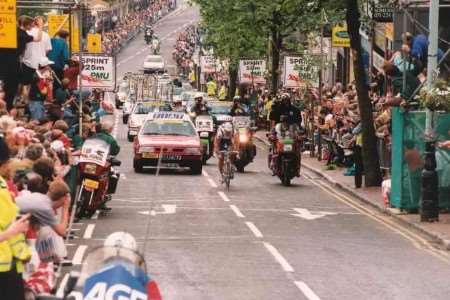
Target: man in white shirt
(34,52)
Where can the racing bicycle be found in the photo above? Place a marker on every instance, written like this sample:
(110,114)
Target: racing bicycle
(228,167)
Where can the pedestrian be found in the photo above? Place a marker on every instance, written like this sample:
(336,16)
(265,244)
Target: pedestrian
(59,54)
(40,90)
(13,248)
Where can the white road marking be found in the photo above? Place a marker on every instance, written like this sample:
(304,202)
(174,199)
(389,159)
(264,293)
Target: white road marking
(95,216)
(306,290)
(306,214)
(205,173)
(254,229)
(62,286)
(278,257)
(79,254)
(89,231)
(237,211)
(224,197)
(212,183)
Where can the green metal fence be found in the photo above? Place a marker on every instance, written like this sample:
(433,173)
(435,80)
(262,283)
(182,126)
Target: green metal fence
(408,156)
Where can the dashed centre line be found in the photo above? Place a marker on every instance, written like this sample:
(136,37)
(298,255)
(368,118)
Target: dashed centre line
(89,231)
(79,254)
(306,290)
(256,232)
(224,197)
(237,211)
(212,183)
(279,258)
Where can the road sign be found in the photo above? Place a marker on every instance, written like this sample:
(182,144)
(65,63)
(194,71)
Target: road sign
(252,71)
(94,43)
(99,72)
(75,35)
(382,13)
(57,23)
(301,70)
(8,26)
(340,37)
(168,209)
(309,215)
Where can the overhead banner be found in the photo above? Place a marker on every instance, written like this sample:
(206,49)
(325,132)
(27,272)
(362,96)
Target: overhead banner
(208,64)
(340,37)
(300,71)
(252,71)
(8,24)
(98,72)
(94,43)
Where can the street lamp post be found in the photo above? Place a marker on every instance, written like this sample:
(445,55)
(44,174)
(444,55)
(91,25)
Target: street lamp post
(429,208)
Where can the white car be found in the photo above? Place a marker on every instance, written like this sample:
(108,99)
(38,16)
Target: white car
(154,64)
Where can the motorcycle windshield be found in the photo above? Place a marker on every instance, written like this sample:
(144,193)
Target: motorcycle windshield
(241,122)
(104,257)
(95,151)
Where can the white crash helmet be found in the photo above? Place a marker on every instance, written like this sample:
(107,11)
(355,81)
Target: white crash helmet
(121,239)
(198,96)
(227,130)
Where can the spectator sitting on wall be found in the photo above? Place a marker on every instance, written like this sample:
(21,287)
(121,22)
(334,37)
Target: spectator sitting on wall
(400,93)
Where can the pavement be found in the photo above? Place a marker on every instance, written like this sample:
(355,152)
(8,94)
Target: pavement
(438,231)
(259,240)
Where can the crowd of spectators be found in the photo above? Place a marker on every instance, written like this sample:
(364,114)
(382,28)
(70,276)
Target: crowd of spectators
(131,25)
(184,48)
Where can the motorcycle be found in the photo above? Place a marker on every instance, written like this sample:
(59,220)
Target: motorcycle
(155,46)
(148,36)
(110,272)
(246,147)
(284,158)
(97,177)
(205,128)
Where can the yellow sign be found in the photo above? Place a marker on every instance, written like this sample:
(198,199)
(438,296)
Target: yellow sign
(94,43)
(8,26)
(61,22)
(57,23)
(340,37)
(75,35)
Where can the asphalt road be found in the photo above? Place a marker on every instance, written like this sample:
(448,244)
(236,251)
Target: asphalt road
(260,240)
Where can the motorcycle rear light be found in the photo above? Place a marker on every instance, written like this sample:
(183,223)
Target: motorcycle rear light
(90,169)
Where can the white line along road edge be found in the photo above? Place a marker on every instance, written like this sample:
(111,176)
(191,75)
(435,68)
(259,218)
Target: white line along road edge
(278,257)
(62,286)
(306,290)
(79,254)
(257,233)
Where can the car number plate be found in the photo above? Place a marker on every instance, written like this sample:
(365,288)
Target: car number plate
(91,184)
(171,157)
(149,155)
(170,165)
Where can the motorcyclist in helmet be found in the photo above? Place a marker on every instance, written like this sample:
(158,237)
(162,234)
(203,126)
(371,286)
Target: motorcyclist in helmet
(104,134)
(237,107)
(177,106)
(292,113)
(199,107)
(224,141)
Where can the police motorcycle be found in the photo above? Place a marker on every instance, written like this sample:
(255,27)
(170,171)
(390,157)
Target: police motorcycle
(246,147)
(97,177)
(284,157)
(204,124)
(148,35)
(115,270)
(156,45)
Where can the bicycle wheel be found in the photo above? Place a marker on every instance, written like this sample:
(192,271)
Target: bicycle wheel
(228,174)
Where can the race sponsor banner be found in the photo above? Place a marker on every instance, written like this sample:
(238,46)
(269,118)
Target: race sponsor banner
(299,71)
(208,64)
(98,72)
(340,37)
(94,43)
(252,71)
(8,24)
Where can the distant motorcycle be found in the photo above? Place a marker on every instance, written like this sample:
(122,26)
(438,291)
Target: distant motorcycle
(98,179)
(155,46)
(246,147)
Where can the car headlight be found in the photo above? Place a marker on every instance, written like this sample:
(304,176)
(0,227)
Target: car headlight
(146,149)
(90,169)
(192,151)
(243,138)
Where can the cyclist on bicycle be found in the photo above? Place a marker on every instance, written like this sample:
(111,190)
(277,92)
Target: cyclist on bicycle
(224,141)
